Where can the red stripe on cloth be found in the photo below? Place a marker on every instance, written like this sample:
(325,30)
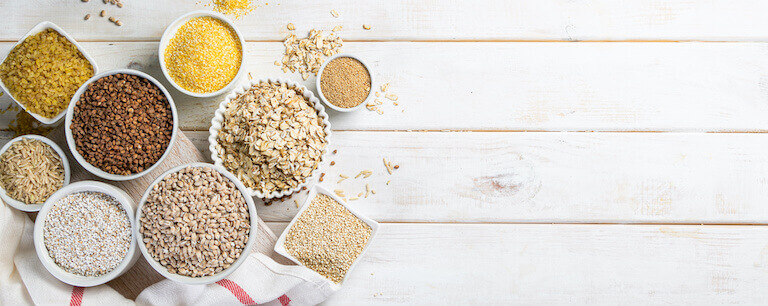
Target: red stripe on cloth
(238,291)
(77,296)
(284,300)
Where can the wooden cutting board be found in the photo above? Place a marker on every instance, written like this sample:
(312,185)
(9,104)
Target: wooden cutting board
(141,275)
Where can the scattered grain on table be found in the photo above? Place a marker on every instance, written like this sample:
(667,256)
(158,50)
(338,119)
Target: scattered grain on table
(235,8)
(306,55)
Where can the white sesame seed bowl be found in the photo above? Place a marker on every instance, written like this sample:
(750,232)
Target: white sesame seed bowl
(317,189)
(71,140)
(42,26)
(218,121)
(32,207)
(73,279)
(320,88)
(252,236)
(170,32)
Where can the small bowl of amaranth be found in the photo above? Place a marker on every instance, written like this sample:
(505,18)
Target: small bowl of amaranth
(102,245)
(342,86)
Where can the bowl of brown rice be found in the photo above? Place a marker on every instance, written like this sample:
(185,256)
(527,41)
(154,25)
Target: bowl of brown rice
(32,168)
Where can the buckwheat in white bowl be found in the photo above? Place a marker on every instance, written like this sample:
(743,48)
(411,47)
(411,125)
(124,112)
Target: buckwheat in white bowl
(272,134)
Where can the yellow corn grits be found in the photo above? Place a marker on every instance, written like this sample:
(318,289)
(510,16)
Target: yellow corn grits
(204,55)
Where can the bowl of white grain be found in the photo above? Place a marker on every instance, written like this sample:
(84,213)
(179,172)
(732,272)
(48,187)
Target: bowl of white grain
(83,234)
(327,236)
(32,168)
(202,238)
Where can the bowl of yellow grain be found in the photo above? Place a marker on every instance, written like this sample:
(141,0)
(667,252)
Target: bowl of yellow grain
(43,71)
(201,54)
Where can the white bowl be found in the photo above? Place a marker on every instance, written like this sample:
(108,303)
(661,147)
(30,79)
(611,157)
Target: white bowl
(78,280)
(171,30)
(252,236)
(64,163)
(218,120)
(320,89)
(37,29)
(71,140)
(280,244)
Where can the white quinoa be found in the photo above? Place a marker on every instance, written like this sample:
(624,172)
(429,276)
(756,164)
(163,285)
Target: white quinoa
(87,233)
(327,238)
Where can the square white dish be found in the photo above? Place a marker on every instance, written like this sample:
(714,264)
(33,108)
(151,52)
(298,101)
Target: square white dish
(37,29)
(317,189)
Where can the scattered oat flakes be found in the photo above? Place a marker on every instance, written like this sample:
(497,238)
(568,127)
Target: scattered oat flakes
(291,27)
(335,13)
(337,28)
(306,55)
(366,26)
(277,63)
(388,165)
(378,94)
(384,87)
(391,96)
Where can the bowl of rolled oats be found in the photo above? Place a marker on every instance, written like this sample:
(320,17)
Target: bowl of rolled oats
(196,224)
(272,134)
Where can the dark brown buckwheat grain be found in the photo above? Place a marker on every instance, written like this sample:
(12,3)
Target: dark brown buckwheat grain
(122,124)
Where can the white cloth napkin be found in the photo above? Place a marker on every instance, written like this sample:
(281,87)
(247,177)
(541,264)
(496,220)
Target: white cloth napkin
(259,280)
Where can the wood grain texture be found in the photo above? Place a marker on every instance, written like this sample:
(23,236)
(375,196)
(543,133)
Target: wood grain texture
(142,275)
(550,264)
(419,20)
(521,86)
(548,177)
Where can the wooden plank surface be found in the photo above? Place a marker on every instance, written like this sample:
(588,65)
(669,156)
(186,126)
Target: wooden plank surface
(522,86)
(548,177)
(464,219)
(543,264)
(420,20)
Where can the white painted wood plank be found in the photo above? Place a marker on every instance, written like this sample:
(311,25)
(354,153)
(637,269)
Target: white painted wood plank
(524,86)
(548,177)
(503,264)
(419,20)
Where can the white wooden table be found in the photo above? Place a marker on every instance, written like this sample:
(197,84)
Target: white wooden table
(551,151)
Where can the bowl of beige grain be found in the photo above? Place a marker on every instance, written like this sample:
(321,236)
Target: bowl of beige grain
(345,83)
